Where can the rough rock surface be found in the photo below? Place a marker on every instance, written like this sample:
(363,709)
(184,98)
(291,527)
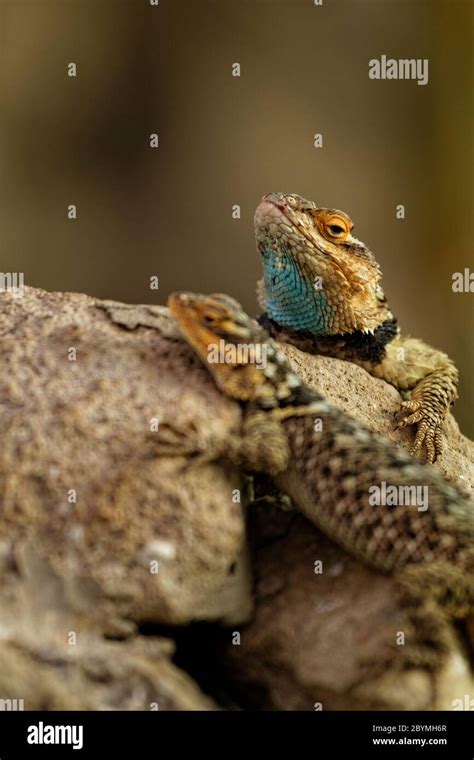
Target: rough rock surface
(326,640)
(373,403)
(106,522)
(126,522)
(94,674)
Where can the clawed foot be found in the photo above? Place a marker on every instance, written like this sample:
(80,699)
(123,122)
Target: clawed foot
(429,427)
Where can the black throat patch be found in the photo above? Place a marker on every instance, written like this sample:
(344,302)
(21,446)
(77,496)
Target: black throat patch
(357,346)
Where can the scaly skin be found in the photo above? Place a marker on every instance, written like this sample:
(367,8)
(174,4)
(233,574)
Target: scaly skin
(328,470)
(322,291)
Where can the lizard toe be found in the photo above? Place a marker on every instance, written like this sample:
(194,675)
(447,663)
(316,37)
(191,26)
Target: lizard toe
(412,419)
(422,431)
(438,442)
(429,436)
(430,445)
(412,405)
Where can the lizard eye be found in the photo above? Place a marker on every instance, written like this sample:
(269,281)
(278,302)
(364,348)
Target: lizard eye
(335,227)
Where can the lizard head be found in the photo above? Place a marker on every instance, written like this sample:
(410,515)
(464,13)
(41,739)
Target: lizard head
(317,277)
(243,360)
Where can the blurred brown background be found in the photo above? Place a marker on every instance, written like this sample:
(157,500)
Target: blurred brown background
(226,140)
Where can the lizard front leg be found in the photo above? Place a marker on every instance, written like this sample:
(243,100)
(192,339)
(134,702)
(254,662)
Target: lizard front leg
(432,378)
(263,445)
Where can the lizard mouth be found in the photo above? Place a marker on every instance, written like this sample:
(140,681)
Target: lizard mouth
(274,210)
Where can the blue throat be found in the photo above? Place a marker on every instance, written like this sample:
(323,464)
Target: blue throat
(291,298)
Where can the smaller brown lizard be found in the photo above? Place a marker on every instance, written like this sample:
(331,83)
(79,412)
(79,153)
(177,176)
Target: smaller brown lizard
(328,471)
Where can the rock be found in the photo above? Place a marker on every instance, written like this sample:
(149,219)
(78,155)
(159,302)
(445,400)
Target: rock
(118,507)
(96,675)
(373,403)
(327,640)
(113,519)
